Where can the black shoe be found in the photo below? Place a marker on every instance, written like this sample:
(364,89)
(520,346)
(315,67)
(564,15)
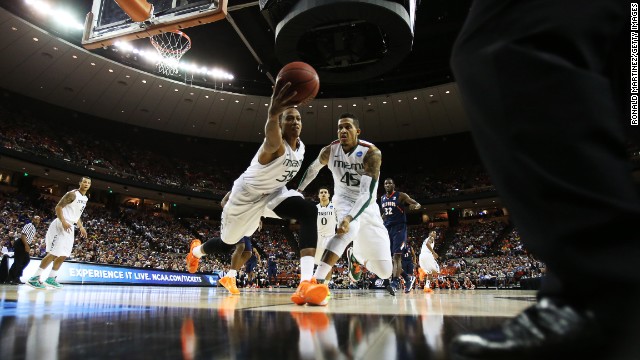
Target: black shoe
(548,328)
(16,282)
(391,289)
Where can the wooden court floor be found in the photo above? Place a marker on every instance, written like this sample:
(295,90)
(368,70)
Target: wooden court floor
(146,322)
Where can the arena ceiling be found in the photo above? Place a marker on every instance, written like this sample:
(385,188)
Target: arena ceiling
(417,99)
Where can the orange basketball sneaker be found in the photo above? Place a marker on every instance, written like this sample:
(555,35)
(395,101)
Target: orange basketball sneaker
(192,260)
(229,283)
(310,292)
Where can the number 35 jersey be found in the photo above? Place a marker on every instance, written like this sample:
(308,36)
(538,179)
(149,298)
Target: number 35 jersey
(347,169)
(265,179)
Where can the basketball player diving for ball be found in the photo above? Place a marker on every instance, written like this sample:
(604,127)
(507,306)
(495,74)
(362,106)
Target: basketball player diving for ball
(261,191)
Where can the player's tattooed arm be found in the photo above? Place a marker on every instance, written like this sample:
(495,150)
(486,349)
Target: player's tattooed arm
(323,158)
(67,199)
(372,162)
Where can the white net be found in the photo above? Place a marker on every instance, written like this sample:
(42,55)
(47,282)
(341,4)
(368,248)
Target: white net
(171,45)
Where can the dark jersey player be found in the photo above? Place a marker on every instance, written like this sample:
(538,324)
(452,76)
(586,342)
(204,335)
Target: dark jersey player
(392,204)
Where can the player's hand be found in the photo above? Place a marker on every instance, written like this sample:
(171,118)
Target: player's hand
(343,228)
(83,232)
(66,226)
(281,98)
(415,206)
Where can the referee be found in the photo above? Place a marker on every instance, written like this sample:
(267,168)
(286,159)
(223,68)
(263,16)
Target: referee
(21,248)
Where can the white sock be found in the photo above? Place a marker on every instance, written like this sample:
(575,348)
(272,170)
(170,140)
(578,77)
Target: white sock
(231,274)
(427,284)
(322,270)
(38,272)
(53,273)
(306,267)
(197,252)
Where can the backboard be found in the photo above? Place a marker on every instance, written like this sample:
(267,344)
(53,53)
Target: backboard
(108,23)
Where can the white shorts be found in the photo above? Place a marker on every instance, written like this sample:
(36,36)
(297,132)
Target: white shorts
(241,215)
(370,237)
(59,242)
(428,263)
(321,246)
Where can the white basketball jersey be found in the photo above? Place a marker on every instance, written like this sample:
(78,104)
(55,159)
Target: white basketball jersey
(347,169)
(73,211)
(425,249)
(327,220)
(265,179)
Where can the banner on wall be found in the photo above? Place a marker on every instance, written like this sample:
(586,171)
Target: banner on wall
(92,274)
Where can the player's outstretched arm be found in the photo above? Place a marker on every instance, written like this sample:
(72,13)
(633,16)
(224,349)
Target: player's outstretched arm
(313,169)
(280,101)
(407,200)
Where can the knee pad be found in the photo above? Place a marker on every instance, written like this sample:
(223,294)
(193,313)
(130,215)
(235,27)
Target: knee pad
(337,244)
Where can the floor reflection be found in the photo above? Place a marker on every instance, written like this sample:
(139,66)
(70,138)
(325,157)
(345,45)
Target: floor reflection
(72,325)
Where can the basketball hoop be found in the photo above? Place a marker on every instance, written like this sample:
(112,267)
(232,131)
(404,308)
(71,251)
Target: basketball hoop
(171,45)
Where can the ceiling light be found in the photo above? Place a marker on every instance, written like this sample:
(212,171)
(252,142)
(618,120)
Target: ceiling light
(144,81)
(35,39)
(446,92)
(415,98)
(111,70)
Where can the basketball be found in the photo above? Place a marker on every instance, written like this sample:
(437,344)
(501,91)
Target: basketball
(303,79)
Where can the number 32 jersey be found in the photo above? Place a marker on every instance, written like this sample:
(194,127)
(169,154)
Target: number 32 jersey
(265,179)
(347,169)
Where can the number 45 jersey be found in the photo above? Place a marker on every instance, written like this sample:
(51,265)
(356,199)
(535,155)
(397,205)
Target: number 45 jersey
(347,170)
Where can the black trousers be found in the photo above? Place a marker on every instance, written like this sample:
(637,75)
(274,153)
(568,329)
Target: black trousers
(545,86)
(20,260)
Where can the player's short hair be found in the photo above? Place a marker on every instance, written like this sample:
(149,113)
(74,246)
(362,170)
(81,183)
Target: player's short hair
(324,187)
(390,179)
(85,177)
(281,116)
(356,122)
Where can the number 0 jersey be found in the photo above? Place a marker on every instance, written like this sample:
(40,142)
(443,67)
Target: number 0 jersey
(347,169)
(327,219)
(266,179)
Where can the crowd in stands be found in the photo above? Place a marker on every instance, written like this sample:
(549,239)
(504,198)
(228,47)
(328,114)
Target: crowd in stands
(474,239)
(478,253)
